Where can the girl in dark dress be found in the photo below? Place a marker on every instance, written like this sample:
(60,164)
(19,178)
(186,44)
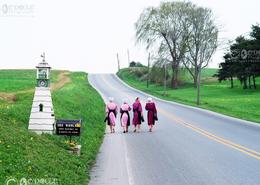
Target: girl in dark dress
(151,113)
(138,114)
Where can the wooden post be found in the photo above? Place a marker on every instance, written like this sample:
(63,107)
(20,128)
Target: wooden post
(118,62)
(165,80)
(148,74)
(128,57)
(198,87)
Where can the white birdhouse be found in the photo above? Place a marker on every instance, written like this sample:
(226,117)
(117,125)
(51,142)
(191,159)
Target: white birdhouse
(42,114)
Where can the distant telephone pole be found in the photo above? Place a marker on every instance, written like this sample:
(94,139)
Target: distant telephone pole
(118,62)
(128,57)
(165,78)
(148,74)
(198,87)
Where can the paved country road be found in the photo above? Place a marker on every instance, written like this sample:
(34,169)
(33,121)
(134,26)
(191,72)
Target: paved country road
(188,146)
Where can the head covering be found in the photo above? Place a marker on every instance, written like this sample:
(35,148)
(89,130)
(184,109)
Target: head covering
(111,99)
(149,99)
(124,100)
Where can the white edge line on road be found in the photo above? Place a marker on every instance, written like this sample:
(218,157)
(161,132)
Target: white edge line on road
(128,166)
(190,107)
(129,174)
(101,94)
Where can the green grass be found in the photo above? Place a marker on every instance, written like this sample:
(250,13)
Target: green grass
(206,75)
(215,96)
(21,79)
(26,154)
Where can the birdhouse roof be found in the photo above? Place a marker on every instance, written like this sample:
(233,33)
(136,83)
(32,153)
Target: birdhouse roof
(43,65)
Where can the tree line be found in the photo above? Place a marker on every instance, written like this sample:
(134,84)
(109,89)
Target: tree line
(242,60)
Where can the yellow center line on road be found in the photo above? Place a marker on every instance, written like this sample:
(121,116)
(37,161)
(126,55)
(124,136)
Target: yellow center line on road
(205,133)
(211,136)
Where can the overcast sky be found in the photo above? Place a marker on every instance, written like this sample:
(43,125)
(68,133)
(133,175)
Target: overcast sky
(86,35)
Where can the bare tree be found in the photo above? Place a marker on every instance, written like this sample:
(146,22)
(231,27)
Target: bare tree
(166,27)
(203,41)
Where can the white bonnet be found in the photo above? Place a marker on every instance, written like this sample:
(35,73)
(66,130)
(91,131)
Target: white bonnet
(111,99)
(124,100)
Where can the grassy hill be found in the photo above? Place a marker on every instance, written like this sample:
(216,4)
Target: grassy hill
(215,96)
(27,155)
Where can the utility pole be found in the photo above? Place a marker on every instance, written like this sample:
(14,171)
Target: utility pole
(198,86)
(128,57)
(118,62)
(165,76)
(148,74)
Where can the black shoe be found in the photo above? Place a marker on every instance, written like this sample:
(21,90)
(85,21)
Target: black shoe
(124,132)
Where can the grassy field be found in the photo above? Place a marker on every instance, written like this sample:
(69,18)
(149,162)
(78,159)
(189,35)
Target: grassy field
(27,155)
(20,79)
(215,96)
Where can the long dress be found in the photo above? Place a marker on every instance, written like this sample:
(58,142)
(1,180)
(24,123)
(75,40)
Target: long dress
(125,117)
(137,109)
(111,110)
(152,113)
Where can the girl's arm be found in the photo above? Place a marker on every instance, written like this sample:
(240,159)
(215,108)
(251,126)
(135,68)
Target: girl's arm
(155,110)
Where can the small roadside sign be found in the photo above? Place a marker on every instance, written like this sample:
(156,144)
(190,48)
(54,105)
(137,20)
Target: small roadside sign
(68,127)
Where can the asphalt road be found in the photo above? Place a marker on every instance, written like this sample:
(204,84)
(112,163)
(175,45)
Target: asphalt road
(189,146)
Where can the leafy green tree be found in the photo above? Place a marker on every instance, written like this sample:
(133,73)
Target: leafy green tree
(247,67)
(132,64)
(135,64)
(227,70)
(255,33)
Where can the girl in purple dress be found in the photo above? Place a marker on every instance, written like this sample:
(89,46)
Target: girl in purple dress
(138,114)
(151,113)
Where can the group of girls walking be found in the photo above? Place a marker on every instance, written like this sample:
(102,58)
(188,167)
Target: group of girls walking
(112,111)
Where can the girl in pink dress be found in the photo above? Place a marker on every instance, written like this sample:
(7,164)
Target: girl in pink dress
(111,112)
(151,113)
(125,117)
(138,114)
